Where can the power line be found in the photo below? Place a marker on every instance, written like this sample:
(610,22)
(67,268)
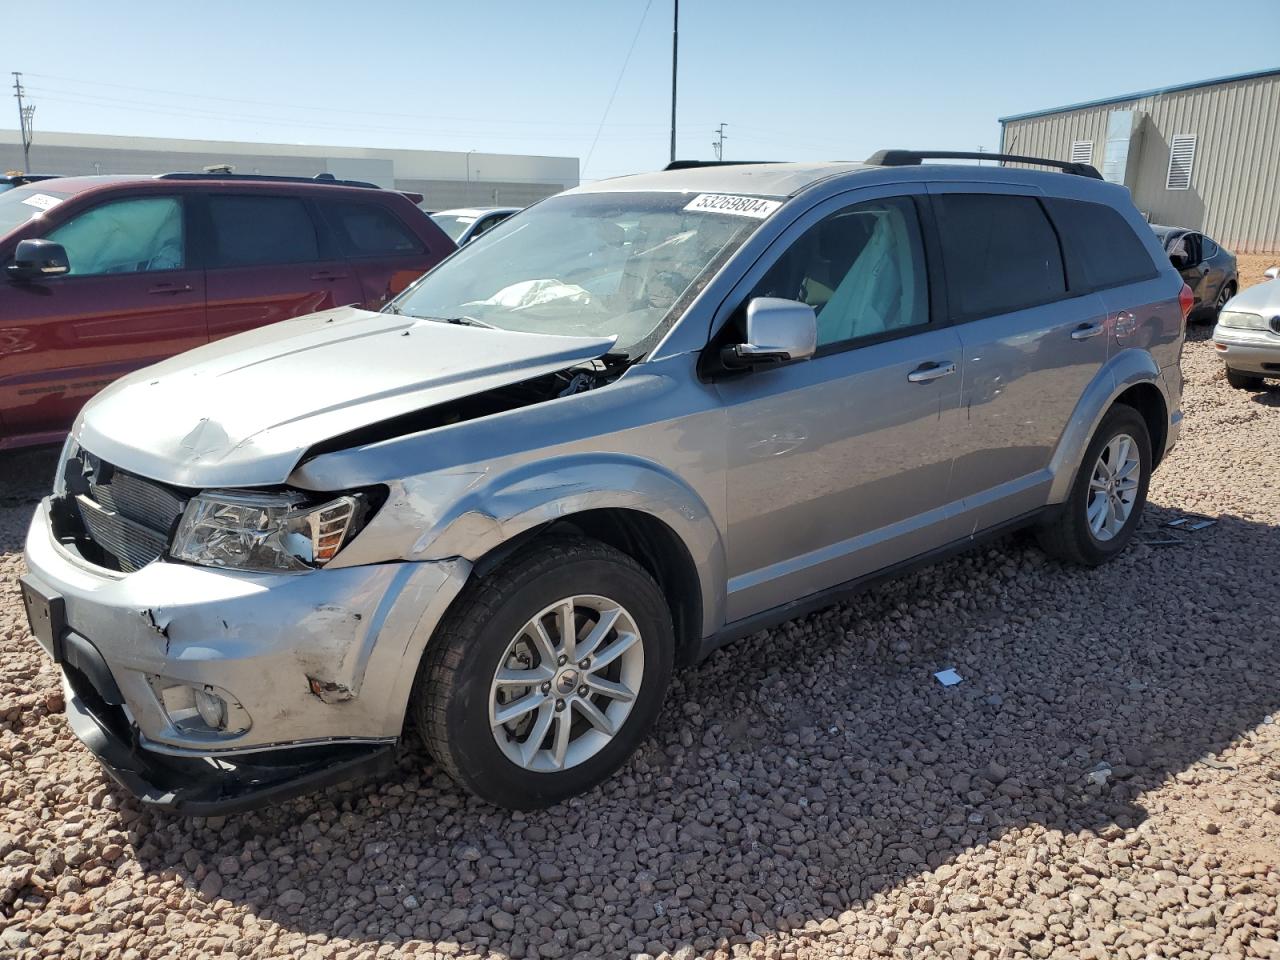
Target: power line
(617,83)
(323,108)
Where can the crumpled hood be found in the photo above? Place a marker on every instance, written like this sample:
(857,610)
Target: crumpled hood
(1262,298)
(243,411)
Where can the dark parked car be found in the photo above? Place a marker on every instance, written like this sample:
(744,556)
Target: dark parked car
(11,180)
(108,274)
(1207,267)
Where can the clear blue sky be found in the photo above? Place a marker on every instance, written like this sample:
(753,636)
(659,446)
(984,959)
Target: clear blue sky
(792,80)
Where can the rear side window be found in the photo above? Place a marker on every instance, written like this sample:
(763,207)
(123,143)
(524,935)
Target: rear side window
(1000,252)
(369,230)
(1103,243)
(251,231)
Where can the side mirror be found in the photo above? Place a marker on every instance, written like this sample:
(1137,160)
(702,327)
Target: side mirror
(1272,273)
(777,331)
(38,258)
(1179,261)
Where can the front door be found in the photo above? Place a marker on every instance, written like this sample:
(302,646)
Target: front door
(269,262)
(131,299)
(837,465)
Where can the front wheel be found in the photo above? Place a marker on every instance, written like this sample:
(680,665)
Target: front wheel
(1099,517)
(546,674)
(1243,381)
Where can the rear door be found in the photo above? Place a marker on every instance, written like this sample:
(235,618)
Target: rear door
(133,297)
(268,260)
(1032,342)
(386,254)
(1105,252)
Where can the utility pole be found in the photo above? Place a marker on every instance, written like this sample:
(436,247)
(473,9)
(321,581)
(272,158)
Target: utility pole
(675,51)
(718,144)
(25,114)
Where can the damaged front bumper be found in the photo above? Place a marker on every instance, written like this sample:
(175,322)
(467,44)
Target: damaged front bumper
(309,674)
(212,786)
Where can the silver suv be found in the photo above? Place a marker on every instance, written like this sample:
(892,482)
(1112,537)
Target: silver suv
(629,424)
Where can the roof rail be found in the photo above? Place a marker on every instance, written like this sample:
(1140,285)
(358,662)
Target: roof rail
(693,164)
(323,178)
(907,158)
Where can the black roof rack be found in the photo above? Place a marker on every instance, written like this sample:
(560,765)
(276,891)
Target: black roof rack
(323,178)
(908,158)
(693,164)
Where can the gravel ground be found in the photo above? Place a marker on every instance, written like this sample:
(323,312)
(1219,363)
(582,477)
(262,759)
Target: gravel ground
(1105,782)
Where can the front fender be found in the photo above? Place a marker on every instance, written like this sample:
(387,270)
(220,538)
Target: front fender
(445,515)
(1124,370)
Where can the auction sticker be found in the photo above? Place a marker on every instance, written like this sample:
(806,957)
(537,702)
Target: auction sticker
(42,201)
(756,207)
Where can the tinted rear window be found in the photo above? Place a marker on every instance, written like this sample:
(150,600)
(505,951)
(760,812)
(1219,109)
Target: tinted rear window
(1103,242)
(1000,252)
(248,231)
(369,230)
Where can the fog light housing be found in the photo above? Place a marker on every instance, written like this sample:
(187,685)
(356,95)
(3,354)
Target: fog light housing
(212,709)
(200,710)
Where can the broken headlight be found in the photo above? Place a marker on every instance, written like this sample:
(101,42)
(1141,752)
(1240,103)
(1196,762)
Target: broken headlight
(266,531)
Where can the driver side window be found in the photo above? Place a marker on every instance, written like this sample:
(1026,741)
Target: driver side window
(125,236)
(862,269)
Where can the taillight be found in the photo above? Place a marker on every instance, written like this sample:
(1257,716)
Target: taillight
(1186,300)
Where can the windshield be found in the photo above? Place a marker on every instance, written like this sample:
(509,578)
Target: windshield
(594,264)
(453,224)
(20,204)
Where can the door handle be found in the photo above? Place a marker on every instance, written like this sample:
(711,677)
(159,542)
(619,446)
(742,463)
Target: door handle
(170,288)
(931,371)
(1087,330)
(328,275)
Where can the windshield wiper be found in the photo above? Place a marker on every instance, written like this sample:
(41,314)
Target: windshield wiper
(456,321)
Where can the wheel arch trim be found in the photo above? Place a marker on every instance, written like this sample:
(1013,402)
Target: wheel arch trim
(1127,369)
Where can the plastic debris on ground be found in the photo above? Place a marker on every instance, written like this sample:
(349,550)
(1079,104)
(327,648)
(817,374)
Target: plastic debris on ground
(1099,774)
(1183,523)
(948,677)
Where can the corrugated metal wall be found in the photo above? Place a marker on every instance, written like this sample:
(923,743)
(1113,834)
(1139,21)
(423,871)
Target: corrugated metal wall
(1235,183)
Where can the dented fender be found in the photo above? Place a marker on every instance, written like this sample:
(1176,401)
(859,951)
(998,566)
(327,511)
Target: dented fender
(468,514)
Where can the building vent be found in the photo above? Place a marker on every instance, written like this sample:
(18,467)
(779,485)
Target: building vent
(1082,151)
(1182,157)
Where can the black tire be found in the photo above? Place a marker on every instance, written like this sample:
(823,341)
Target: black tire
(1067,535)
(1226,293)
(450,702)
(1244,381)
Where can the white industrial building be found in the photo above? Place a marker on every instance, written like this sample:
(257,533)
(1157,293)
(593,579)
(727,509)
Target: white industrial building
(445,178)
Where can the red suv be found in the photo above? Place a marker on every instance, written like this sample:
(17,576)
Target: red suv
(108,274)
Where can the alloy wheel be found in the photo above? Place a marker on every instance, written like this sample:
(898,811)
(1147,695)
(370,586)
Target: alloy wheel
(566,683)
(1113,488)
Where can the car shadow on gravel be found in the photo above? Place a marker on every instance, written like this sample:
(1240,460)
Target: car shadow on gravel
(801,772)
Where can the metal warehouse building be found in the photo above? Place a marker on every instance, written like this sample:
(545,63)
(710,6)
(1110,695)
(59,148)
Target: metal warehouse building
(1202,155)
(446,179)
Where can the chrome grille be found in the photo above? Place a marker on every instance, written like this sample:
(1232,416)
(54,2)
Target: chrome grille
(129,518)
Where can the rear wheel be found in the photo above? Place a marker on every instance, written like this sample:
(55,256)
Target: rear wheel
(1243,381)
(1105,505)
(1226,293)
(547,674)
